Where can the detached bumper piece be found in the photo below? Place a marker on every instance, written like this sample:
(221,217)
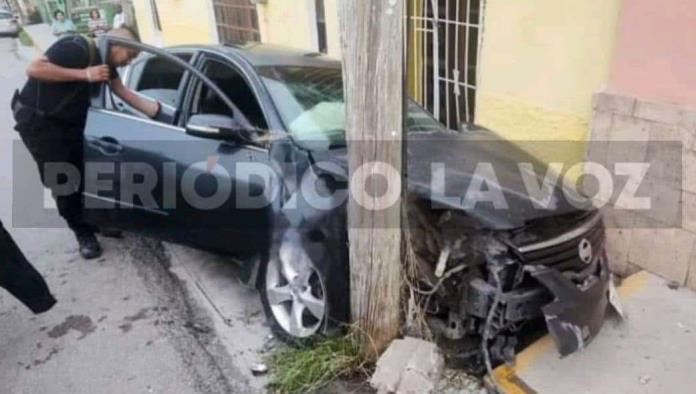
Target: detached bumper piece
(577,314)
(573,305)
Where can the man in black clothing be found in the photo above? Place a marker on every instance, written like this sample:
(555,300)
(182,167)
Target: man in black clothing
(20,278)
(51,113)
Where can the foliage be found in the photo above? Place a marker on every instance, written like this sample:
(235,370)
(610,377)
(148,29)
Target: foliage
(308,369)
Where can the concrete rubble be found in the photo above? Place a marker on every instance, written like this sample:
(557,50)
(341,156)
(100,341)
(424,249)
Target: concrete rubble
(409,365)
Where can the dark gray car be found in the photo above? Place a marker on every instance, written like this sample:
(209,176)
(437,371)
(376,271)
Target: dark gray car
(268,121)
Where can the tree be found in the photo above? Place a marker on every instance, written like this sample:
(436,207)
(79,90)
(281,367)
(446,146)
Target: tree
(372,34)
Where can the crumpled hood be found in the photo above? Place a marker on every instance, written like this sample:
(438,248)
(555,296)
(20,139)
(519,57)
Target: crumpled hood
(466,158)
(471,155)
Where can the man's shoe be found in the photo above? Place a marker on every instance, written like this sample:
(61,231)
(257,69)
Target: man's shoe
(89,246)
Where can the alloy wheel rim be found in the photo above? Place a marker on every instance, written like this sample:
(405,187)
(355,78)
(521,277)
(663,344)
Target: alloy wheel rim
(295,291)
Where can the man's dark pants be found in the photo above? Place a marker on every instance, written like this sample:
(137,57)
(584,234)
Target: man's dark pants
(53,142)
(20,278)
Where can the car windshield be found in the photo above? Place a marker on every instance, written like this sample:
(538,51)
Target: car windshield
(5,15)
(310,103)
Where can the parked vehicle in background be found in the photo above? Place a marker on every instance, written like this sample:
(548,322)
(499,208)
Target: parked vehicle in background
(282,110)
(9,24)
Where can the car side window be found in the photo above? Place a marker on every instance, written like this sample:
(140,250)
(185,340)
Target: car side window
(154,78)
(235,87)
(159,79)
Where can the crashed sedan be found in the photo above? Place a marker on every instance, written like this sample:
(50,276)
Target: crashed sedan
(482,270)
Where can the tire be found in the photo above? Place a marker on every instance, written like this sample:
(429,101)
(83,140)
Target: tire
(304,288)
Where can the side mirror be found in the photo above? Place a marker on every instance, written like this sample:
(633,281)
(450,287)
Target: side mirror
(218,127)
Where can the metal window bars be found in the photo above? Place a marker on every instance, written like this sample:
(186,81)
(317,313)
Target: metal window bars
(444,38)
(237,21)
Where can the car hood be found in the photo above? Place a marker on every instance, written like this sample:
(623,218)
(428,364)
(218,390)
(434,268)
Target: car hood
(465,157)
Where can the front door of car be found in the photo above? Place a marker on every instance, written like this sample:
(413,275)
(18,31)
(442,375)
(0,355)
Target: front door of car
(224,176)
(158,175)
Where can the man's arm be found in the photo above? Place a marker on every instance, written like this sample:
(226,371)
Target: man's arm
(149,108)
(45,71)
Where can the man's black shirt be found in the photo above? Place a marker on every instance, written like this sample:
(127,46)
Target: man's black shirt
(50,97)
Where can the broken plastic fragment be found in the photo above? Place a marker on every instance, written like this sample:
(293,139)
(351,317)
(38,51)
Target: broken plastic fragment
(259,369)
(615,300)
(442,261)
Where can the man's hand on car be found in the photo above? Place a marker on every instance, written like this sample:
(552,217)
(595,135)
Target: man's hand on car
(100,73)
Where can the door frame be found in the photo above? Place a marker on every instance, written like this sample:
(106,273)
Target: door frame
(99,100)
(199,62)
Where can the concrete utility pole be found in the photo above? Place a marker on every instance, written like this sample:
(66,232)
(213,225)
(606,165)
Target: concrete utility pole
(372,34)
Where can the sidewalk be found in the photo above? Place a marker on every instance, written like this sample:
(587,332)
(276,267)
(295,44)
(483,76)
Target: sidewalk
(41,35)
(652,351)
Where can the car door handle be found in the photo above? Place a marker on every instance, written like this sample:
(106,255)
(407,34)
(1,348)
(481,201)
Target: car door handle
(108,146)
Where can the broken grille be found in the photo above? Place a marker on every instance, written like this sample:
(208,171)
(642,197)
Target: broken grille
(562,252)
(443,60)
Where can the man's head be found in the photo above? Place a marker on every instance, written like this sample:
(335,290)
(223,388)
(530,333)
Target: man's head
(120,56)
(59,15)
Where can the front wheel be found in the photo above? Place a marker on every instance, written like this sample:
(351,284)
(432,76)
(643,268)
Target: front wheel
(302,289)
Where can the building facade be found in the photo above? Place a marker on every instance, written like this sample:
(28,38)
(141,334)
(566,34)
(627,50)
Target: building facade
(540,70)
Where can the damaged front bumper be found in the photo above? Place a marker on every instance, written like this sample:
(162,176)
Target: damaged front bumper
(577,313)
(500,287)
(573,305)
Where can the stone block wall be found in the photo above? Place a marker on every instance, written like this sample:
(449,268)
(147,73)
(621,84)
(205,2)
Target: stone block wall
(635,241)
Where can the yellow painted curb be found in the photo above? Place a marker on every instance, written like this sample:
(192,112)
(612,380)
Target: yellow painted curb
(507,376)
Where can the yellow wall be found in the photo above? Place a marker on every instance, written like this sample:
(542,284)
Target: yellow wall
(144,19)
(333,28)
(286,23)
(541,62)
(292,23)
(183,22)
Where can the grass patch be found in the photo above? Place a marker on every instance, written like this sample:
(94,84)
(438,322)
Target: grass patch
(25,39)
(306,370)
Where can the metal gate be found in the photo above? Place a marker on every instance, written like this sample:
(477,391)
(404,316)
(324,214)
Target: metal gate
(237,21)
(443,63)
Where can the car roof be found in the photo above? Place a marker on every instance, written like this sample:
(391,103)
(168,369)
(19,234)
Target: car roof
(263,55)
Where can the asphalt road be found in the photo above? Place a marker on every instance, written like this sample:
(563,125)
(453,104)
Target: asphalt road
(123,324)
